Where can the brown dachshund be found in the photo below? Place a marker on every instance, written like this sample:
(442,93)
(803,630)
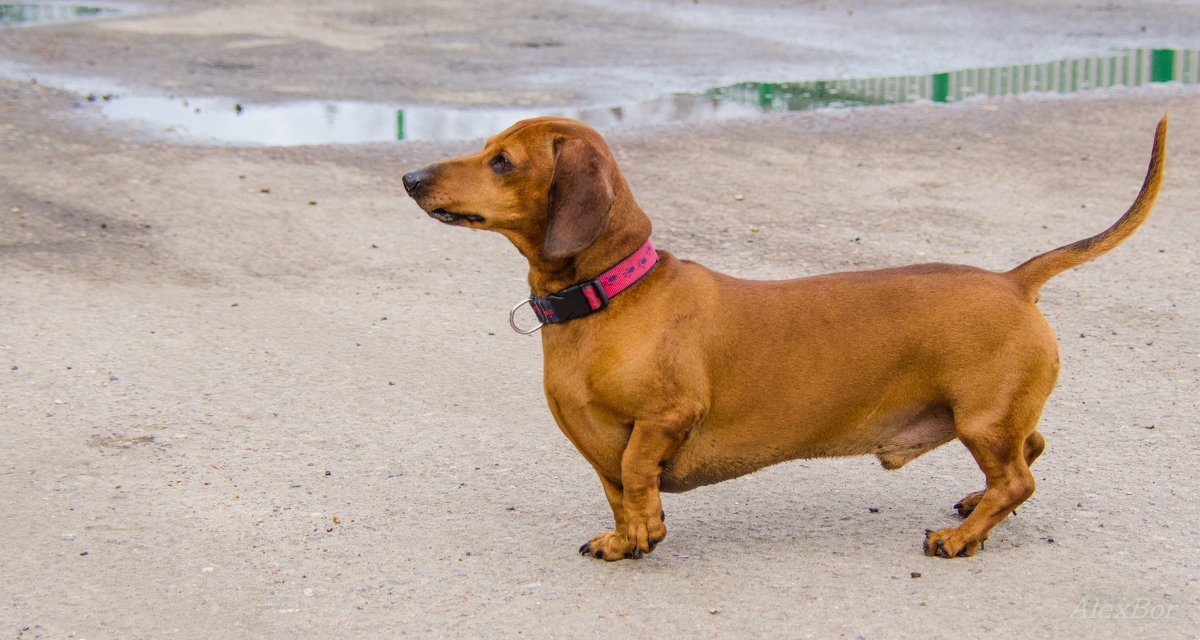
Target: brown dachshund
(668,376)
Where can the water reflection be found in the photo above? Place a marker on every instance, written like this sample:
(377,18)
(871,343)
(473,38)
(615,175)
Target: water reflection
(45,13)
(227,120)
(1133,68)
(442,123)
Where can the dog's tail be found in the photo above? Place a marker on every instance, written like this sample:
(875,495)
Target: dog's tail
(1031,275)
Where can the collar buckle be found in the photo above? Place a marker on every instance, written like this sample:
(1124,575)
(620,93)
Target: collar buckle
(578,300)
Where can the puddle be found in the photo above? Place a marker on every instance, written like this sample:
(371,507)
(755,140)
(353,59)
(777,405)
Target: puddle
(314,122)
(229,121)
(27,14)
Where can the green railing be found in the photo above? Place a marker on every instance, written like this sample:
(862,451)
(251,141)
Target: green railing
(1133,68)
(30,13)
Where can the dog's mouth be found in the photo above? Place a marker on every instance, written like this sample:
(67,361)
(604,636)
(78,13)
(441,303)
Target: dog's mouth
(453,218)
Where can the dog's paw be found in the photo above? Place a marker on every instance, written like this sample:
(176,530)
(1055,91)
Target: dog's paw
(610,546)
(968,503)
(646,535)
(949,543)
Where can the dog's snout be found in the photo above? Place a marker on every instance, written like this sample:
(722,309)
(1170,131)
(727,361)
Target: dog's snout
(414,179)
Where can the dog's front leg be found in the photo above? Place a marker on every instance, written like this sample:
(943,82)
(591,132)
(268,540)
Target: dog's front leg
(611,545)
(637,507)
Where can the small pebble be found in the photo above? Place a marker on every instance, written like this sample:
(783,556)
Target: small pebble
(873,509)
(915,574)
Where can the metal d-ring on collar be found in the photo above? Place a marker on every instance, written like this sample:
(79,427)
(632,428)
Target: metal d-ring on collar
(512,318)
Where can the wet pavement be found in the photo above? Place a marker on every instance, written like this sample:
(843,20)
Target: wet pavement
(231,120)
(274,74)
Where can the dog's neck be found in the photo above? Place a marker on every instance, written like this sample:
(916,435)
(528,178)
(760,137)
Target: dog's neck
(627,230)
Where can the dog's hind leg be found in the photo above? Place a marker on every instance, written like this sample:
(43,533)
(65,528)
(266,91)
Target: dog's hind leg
(1034,445)
(1009,483)
(997,437)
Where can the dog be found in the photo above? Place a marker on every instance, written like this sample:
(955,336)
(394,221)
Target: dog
(668,376)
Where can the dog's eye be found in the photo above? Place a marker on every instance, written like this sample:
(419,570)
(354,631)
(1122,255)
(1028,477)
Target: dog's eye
(500,165)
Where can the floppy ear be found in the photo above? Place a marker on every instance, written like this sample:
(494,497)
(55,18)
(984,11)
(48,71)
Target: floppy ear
(580,197)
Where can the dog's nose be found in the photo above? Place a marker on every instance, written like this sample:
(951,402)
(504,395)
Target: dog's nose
(414,179)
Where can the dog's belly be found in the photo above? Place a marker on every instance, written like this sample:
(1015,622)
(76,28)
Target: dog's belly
(714,453)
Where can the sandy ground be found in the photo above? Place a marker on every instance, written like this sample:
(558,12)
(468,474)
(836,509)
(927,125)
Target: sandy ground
(255,392)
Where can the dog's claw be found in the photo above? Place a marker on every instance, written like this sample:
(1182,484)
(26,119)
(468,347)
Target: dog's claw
(587,546)
(636,554)
(941,549)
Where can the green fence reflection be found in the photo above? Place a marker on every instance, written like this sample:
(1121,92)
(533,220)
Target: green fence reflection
(1133,68)
(29,13)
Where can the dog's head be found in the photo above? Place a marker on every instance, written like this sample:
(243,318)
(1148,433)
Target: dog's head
(548,184)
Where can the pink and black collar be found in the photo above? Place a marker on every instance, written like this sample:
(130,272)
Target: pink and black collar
(586,298)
